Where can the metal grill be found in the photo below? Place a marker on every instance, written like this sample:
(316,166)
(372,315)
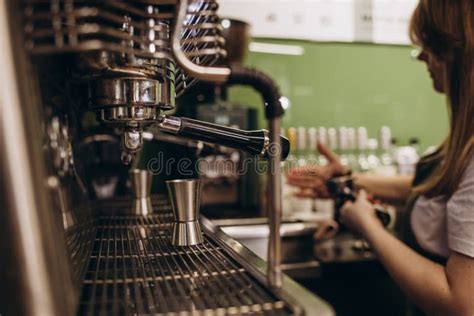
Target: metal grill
(79,242)
(134,269)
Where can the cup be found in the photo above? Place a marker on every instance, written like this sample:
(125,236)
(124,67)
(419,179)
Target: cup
(141,186)
(185,197)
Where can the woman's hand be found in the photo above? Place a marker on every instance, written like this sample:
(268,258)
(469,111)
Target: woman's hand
(360,215)
(327,229)
(312,179)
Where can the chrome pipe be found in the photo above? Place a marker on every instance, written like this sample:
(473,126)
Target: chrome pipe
(211,74)
(274,271)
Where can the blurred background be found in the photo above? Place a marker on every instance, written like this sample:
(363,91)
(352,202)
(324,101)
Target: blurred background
(342,63)
(353,84)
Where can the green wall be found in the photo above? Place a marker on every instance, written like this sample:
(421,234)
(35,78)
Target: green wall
(335,84)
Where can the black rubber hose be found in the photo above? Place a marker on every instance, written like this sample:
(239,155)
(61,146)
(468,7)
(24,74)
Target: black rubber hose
(263,84)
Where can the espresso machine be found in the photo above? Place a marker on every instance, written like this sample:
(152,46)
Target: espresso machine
(83,82)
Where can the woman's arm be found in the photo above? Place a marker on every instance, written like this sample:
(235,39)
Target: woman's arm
(387,188)
(436,289)
(312,180)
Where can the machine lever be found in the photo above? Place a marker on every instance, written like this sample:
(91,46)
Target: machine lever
(256,142)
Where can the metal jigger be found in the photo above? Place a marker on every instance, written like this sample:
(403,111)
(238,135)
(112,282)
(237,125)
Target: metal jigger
(185,197)
(141,187)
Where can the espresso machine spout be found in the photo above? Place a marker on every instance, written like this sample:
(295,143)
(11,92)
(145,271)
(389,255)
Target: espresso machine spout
(132,141)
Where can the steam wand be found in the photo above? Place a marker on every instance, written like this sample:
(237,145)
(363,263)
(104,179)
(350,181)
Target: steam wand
(266,144)
(277,147)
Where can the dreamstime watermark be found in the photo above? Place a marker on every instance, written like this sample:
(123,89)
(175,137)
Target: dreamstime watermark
(187,167)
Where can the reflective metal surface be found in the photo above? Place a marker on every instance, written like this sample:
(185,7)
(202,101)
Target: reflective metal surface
(125,54)
(297,240)
(34,263)
(185,197)
(200,149)
(139,29)
(256,142)
(214,74)
(126,92)
(300,299)
(186,234)
(274,205)
(140,181)
(131,144)
(169,124)
(134,269)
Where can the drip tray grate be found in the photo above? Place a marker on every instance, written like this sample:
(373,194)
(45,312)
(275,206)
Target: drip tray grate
(134,269)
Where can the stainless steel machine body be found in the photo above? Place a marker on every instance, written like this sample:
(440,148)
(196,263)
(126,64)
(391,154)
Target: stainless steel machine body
(63,253)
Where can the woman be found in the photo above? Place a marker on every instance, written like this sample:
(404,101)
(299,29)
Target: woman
(436,270)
